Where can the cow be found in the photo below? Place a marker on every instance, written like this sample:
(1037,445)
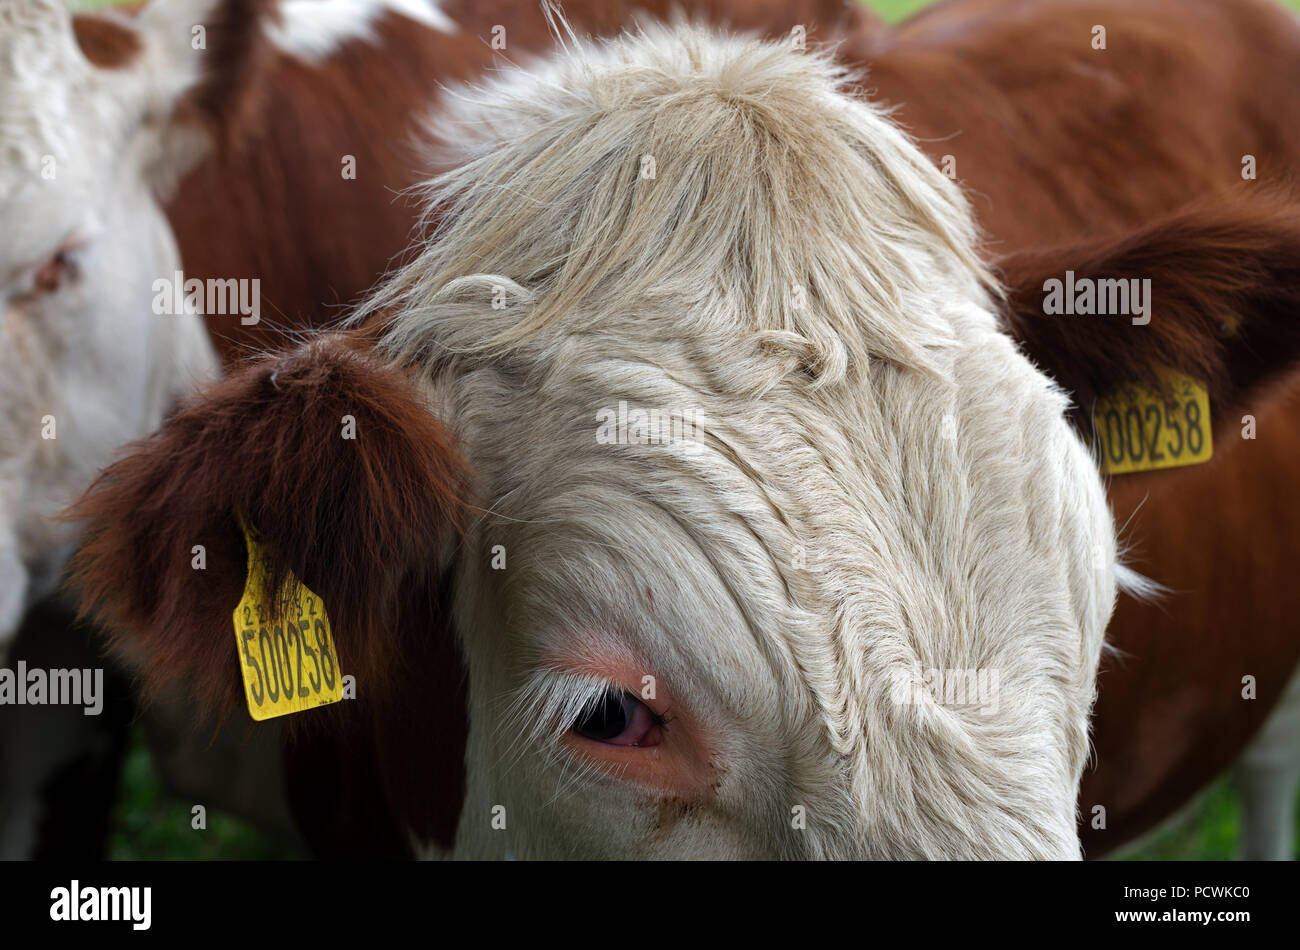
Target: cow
(72,173)
(238,91)
(882,477)
(86,364)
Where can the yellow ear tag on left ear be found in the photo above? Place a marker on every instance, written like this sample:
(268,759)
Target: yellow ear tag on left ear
(290,664)
(1138,431)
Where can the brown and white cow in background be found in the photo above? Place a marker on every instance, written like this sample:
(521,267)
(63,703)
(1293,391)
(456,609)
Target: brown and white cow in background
(85,363)
(773,617)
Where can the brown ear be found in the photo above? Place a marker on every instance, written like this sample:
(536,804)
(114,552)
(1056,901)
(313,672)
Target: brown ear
(107,41)
(1225,304)
(366,522)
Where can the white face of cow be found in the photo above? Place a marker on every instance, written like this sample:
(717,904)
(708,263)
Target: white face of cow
(784,549)
(85,363)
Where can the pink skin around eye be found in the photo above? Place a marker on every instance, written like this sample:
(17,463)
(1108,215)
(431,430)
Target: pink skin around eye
(672,757)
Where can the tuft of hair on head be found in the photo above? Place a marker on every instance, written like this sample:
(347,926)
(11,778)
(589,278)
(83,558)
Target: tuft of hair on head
(364,521)
(718,187)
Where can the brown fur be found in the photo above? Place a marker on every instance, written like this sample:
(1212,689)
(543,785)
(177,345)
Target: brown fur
(1225,288)
(363,522)
(228,94)
(105,42)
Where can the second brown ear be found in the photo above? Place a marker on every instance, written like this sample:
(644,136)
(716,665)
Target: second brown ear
(1220,287)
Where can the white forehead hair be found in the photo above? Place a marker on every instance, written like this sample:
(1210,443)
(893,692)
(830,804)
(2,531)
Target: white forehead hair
(809,209)
(42,74)
(884,486)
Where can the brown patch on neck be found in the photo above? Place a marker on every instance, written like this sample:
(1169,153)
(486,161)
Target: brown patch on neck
(105,42)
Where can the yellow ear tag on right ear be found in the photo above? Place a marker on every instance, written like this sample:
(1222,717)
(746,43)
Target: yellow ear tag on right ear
(1139,432)
(290,664)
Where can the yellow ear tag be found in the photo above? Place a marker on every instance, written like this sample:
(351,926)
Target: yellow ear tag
(290,664)
(1139,432)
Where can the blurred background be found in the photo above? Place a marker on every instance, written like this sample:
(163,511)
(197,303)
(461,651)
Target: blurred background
(148,826)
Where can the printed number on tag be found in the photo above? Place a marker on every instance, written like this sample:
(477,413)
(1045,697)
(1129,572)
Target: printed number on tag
(289,664)
(1140,431)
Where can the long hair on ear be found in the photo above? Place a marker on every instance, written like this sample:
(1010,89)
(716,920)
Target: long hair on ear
(1225,289)
(337,461)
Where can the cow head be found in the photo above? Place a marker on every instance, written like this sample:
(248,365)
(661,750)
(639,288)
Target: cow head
(697,427)
(91,130)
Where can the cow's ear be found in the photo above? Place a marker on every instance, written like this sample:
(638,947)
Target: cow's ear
(1224,305)
(107,41)
(337,461)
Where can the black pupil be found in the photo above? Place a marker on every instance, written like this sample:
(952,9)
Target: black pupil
(607,719)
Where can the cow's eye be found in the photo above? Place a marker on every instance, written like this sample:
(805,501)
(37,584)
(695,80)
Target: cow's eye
(619,718)
(59,270)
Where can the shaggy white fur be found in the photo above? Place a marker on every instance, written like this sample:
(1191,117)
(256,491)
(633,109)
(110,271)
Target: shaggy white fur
(879,484)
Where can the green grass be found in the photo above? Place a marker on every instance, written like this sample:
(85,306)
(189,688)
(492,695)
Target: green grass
(148,826)
(895,10)
(1207,833)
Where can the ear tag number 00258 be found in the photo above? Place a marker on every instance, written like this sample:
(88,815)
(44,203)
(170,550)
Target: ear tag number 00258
(289,664)
(1138,431)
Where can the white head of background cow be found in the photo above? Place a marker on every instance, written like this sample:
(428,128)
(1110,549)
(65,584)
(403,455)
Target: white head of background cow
(708,642)
(85,362)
